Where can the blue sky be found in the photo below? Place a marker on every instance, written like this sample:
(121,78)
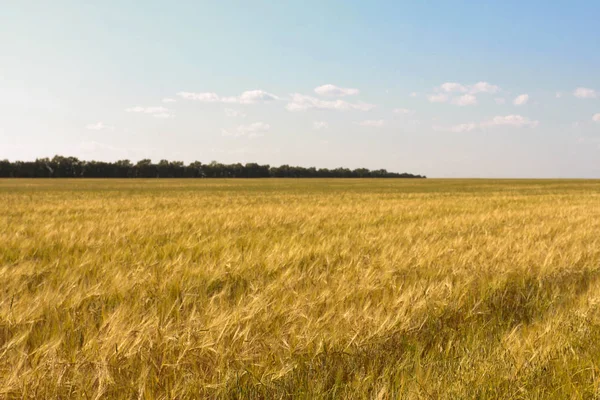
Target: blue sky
(446,89)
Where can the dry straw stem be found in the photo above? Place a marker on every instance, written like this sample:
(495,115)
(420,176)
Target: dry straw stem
(361,289)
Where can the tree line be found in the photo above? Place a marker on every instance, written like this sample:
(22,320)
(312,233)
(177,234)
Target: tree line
(72,167)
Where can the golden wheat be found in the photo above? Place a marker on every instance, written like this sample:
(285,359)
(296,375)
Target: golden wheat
(165,289)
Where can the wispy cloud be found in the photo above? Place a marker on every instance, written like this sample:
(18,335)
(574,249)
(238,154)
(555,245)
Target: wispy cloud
(168,100)
(157,112)
(465,100)
(300,102)
(452,87)
(163,115)
(318,125)
(483,87)
(585,93)
(205,97)
(514,121)
(147,110)
(98,126)
(596,117)
(247,97)
(465,93)
(251,97)
(403,111)
(332,90)
(500,100)
(466,127)
(521,100)
(438,98)
(234,113)
(374,123)
(253,130)
(479,87)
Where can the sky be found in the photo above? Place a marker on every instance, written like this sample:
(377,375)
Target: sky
(494,89)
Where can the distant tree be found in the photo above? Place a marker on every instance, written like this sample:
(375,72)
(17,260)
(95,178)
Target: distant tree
(66,167)
(72,167)
(163,169)
(361,173)
(124,169)
(214,170)
(194,170)
(6,169)
(145,169)
(176,169)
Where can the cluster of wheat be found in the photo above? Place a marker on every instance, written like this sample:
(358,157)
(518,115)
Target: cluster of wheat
(299,288)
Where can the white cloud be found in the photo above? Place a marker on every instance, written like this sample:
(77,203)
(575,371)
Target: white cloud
(300,102)
(585,93)
(516,121)
(460,128)
(147,110)
(157,112)
(558,95)
(500,100)
(465,100)
(255,129)
(521,100)
(204,97)
(247,97)
(251,97)
(234,113)
(483,87)
(374,123)
(468,92)
(98,126)
(317,125)
(168,100)
(413,94)
(479,87)
(596,117)
(467,127)
(438,98)
(332,90)
(452,87)
(403,111)
(163,115)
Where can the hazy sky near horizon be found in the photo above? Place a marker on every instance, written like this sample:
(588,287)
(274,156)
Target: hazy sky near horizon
(445,89)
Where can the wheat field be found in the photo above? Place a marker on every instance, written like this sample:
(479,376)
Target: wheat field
(283,288)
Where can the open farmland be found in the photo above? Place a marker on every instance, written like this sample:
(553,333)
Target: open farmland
(320,288)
